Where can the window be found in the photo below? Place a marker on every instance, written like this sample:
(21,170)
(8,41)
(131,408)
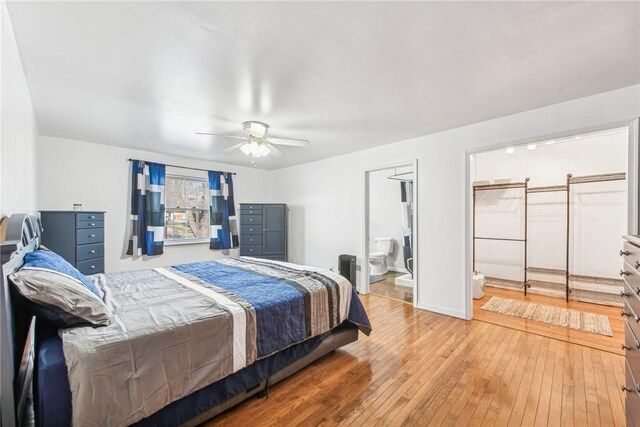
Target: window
(186,203)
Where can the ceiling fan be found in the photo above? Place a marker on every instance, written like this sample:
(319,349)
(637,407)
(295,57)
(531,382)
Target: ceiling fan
(256,142)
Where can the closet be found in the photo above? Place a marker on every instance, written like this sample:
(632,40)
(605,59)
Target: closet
(526,191)
(546,216)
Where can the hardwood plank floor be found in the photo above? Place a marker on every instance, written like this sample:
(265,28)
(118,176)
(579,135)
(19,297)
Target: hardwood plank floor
(601,342)
(421,368)
(388,288)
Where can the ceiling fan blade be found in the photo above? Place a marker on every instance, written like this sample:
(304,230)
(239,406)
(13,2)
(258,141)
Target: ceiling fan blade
(289,141)
(273,150)
(222,135)
(234,147)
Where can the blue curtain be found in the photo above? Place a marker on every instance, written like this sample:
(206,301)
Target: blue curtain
(223,222)
(147,208)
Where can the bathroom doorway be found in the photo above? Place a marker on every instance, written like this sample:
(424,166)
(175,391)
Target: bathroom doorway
(390,232)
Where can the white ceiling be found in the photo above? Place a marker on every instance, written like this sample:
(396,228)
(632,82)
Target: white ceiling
(346,76)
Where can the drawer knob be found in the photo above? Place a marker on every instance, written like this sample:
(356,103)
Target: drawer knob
(91,224)
(625,314)
(626,347)
(92,217)
(624,273)
(93,267)
(637,290)
(624,294)
(625,388)
(251,240)
(637,264)
(250,250)
(92,251)
(92,235)
(625,253)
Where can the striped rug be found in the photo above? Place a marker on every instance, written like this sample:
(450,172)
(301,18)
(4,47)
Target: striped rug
(574,319)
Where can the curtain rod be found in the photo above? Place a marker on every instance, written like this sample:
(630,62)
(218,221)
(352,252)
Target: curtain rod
(181,167)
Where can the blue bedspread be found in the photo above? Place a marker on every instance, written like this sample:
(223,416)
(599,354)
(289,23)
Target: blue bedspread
(282,297)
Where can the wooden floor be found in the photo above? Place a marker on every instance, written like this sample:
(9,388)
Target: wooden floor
(388,288)
(601,342)
(420,368)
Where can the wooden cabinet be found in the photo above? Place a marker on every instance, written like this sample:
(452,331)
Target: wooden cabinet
(76,236)
(263,230)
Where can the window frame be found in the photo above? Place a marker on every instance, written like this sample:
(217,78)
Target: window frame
(191,241)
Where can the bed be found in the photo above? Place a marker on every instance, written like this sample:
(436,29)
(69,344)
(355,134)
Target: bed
(186,342)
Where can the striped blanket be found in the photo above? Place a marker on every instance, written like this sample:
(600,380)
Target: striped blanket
(178,329)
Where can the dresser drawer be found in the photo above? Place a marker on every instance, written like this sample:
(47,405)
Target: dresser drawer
(633,395)
(632,318)
(251,229)
(632,351)
(250,250)
(255,207)
(84,252)
(89,224)
(90,216)
(631,293)
(250,219)
(86,236)
(92,266)
(248,211)
(251,239)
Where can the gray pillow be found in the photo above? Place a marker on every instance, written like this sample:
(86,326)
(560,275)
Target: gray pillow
(60,299)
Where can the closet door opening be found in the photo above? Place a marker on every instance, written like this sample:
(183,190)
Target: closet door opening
(547,220)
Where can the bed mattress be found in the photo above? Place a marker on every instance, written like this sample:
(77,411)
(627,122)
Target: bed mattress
(180,329)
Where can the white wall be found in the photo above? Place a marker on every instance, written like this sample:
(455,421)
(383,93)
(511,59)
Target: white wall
(385,219)
(97,176)
(326,197)
(18,130)
(598,210)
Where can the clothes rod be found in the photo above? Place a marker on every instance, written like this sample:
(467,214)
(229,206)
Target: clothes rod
(180,167)
(597,178)
(549,189)
(499,186)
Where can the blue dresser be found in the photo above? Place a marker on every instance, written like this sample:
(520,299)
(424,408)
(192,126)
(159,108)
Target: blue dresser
(263,230)
(77,236)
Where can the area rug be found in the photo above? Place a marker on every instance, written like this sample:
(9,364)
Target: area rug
(574,319)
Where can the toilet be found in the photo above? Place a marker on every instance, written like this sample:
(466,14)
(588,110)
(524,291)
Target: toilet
(378,259)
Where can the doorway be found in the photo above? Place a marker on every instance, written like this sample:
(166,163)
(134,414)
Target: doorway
(547,220)
(390,243)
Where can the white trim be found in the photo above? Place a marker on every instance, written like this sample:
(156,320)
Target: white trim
(178,242)
(238,315)
(632,176)
(442,310)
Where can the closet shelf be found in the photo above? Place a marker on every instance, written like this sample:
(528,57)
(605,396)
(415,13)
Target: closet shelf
(499,186)
(597,178)
(548,189)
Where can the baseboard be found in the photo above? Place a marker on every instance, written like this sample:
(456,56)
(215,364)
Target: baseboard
(398,270)
(442,310)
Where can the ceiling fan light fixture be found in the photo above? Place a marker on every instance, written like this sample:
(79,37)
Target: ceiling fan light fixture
(255,129)
(255,149)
